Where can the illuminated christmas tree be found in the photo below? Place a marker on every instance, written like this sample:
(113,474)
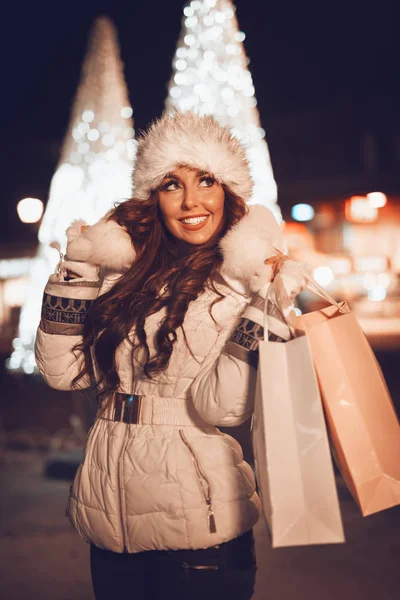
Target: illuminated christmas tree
(94,170)
(211,76)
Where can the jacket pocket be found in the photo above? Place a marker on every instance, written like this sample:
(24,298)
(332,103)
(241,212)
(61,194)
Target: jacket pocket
(204,484)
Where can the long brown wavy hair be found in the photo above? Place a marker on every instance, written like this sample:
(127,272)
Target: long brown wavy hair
(161,276)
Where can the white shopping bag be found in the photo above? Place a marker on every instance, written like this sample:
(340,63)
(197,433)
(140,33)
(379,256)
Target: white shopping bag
(292,457)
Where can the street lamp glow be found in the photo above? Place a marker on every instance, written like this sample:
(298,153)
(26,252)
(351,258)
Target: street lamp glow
(377,199)
(302,212)
(30,210)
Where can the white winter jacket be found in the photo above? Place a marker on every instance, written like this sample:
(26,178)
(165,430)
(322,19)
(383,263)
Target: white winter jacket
(174,481)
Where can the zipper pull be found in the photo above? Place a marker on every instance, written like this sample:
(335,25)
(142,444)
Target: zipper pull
(211,519)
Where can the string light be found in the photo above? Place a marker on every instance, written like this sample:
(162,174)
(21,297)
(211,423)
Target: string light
(211,76)
(94,171)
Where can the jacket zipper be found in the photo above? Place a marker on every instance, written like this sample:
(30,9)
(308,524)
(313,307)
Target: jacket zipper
(121,500)
(204,483)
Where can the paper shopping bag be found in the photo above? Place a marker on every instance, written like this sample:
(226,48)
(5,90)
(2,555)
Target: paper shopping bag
(362,420)
(291,448)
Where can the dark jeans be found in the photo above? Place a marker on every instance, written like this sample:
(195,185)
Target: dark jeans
(224,571)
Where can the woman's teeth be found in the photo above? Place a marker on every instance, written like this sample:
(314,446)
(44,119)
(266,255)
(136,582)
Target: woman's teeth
(194,220)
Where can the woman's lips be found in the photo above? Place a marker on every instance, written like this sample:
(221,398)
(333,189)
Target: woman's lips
(194,227)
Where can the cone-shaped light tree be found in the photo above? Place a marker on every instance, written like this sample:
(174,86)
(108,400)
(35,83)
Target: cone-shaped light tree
(211,76)
(94,170)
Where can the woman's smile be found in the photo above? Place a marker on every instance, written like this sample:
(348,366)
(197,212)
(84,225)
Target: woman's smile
(194,223)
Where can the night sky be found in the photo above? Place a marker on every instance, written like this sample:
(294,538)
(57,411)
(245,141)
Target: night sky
(304,56)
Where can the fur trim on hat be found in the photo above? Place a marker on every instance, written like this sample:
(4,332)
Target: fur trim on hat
(104,244)
(186,139)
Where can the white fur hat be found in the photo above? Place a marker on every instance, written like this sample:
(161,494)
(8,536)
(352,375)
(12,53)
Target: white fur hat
(186,139)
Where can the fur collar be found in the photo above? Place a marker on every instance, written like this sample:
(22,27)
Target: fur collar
(245,247)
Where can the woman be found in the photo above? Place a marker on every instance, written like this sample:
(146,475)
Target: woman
(164,498)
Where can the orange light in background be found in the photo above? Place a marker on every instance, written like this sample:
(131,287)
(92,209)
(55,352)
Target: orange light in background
(360,210)
(377,199)
(325,216)
(298,237)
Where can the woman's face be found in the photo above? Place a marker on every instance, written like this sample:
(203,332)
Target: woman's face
(192,205)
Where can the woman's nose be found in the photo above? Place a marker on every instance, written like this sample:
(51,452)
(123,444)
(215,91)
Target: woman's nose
(190,198)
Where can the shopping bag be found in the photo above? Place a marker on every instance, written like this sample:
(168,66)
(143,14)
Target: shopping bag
(292,457)
(362,421)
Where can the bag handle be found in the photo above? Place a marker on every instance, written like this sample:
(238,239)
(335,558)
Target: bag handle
(284,305)
(314,287)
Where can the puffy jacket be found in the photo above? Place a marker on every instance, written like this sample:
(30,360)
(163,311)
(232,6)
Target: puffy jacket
(174,481)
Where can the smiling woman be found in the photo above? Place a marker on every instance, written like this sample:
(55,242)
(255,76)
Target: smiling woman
(192,205)
(161,286)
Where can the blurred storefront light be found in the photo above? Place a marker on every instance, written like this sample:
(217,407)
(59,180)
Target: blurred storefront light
(30,210)
(377,293)
(372,280)
(384,279)
(370,264)
(298,237)
(302,212)
(14,291)
(340,265)
(377,199)
(360,210)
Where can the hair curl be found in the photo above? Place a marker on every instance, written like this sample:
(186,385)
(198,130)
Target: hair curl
(160,277)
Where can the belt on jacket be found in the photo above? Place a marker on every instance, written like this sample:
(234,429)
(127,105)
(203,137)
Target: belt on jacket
(150,410)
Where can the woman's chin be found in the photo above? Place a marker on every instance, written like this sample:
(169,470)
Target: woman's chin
(201,236)
(197,237)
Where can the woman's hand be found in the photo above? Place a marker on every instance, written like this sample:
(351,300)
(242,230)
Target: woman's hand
(70,270)
(292,273)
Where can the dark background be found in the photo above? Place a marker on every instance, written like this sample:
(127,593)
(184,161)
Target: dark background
(306,57)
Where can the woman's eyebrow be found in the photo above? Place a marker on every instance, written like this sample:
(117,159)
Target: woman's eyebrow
(171,176)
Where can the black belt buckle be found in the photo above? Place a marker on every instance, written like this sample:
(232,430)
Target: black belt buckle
(127,408)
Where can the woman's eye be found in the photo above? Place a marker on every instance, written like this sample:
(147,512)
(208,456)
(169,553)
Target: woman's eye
(170,186)
(207,181)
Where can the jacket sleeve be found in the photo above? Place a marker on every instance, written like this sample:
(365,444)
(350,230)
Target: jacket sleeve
(64,310)
(223,391)
(103,247)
